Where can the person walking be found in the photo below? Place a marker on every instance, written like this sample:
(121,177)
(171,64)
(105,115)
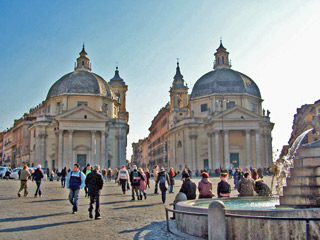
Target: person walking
(86,171)
(75,181)
(109,174)
(143,184)
(64,174)
(135,177)
(94,181)
(223,188)
(163,180)
(104,174)
(172,175)
(37,176)
(205,186)
(148,175)
(24,176)
(155,178)
(123,178)
(116,172)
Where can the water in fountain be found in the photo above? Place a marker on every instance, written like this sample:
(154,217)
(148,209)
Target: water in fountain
(283,165)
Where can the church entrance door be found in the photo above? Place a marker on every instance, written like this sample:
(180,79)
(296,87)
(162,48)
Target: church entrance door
(82,160)
(234,159)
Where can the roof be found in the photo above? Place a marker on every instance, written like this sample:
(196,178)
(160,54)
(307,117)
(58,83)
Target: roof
(81,82)
(224,81)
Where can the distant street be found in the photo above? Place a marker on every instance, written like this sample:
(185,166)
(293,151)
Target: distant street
(50,217)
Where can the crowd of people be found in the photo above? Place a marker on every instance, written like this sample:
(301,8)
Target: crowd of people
(248,182)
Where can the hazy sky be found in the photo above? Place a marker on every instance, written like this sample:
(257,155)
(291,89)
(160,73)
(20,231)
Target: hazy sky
(276,43)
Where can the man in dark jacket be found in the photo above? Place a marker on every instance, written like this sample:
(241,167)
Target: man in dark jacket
(94,182)
(37,176)
(188,187)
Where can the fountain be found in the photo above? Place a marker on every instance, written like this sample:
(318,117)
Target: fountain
(300,198)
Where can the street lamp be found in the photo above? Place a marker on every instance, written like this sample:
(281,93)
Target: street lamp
(221,102)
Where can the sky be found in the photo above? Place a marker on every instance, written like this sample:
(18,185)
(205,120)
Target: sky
(276,43)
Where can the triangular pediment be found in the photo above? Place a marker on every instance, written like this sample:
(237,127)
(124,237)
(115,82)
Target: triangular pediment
(237,113)
(82,113)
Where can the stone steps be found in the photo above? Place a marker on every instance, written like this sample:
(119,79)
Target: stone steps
(305,171)
(307,162)
(302,190)
(294,200)
(304,181)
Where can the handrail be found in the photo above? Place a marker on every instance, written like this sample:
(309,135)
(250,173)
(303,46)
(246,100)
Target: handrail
(307,219)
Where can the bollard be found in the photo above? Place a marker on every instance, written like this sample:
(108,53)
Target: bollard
(216,221)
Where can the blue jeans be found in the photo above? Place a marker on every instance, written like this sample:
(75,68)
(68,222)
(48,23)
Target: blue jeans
(170,188)
(73,198)
(38,188)
(163,195)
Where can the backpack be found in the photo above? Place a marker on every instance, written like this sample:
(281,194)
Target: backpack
(135,177)
(162,179)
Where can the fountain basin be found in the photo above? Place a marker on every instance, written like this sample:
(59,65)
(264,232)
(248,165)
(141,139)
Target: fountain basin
(245,228)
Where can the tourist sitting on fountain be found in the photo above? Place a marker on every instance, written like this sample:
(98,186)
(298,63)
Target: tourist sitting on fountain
(224,188)
(205,186)
(254,174)
(246,186)
(188,187)
(262,188)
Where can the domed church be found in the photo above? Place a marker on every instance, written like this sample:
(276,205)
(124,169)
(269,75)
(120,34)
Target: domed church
(83,120)
(221,124)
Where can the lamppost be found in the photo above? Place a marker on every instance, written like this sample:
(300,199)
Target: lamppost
(221,102)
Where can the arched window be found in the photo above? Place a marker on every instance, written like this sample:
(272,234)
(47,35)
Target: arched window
(222,59)
(82,63)
(179,144)
(218,60)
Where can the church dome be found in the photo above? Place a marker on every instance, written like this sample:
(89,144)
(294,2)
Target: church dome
(81,82)
(224,81)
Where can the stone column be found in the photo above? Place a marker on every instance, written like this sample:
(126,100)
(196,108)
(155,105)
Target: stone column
(248,148)
(93,147)
(217,165)
(70,162)
(103,150)
(60,154)
(210,161)
(37,148)
(42,153)
(258,148)
(226,150)
(193,138)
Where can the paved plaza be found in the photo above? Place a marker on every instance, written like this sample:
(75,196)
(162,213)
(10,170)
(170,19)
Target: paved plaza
(50,217)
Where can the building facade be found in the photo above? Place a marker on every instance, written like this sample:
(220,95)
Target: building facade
(221,124)
(83,120)
(302,121)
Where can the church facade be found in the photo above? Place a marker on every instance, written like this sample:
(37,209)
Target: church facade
(221,124)
(83,120)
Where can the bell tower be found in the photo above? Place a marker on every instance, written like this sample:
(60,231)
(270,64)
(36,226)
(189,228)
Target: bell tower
(120,89)
(178,97)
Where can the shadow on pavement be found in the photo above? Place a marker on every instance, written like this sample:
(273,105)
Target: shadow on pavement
(115,202)
(155,230)
(50,200)
(31,217)
(36,227)
(138,206)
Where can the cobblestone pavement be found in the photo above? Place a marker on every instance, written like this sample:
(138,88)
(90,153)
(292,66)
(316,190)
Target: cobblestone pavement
(50,217)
